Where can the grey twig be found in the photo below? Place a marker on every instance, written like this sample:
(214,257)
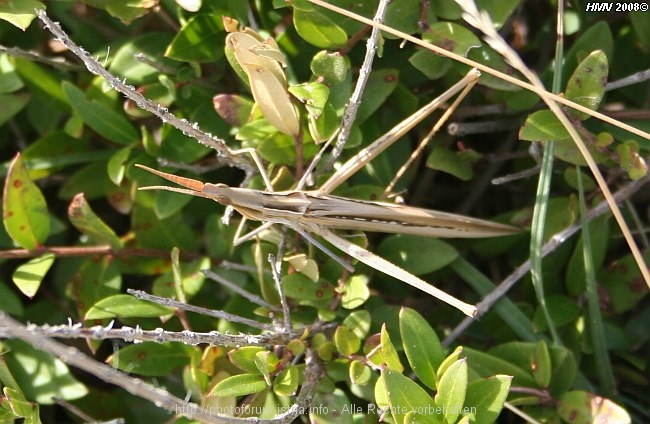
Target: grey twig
(55,62)
(187,128)
(199,310)
(161,398)
(235,288)
(350,113)
(283,300)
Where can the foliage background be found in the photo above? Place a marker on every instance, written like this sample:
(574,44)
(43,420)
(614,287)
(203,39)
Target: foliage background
(76,135)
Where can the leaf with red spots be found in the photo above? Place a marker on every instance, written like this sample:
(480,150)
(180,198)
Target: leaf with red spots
(623,283)
(152,359)
(25,210)
(300,287)
(86,221)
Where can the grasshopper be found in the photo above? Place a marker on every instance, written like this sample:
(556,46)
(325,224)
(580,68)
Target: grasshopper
(318,212)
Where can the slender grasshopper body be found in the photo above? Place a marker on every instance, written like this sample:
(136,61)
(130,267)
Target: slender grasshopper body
(312,210)
(319,213)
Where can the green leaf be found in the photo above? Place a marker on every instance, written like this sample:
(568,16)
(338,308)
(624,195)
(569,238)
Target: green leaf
(86,221)
(19,405)
(451,390)
(319,30)
(642,30)
(42,377)
(431,65)
(487,365)
(286,382)
(347,343)
(152,359)
(198,39)
(25,217)
(563,311)
(78,182)
(152,231)
(331,66)
(325,403)
(487,396)
(116,167)
(623,282)
(152,45)
(278,149)
(300,287)
(380,85)
(359,322)
(418,255)
(630,159)
(580,407)
(266,363)
(388,351)
(446,160)
(125,306)
(543,125)
(244,358)
(19,13)
(167,204)
(10,302)
(105,121)
(360,373)
(402,15)
(240,385)
(95,279)
(453,37)
(421,345)
(28,276)
(405,396)
(487,56)
(10,82)
(41,82)
(127,11)
(595,37)
(499,10)
(587,84)
(12,104)
(313,95)
(540,365)
(355,292)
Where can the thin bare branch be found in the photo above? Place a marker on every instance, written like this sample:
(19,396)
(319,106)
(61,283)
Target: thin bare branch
(130,92)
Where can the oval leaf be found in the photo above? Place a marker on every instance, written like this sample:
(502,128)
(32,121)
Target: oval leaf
(587,84)
(25,212)
(418,255)
(105,121)
(28,276)
(451,390)
(152,359)
(405,396)
(319,30)
(86,221)
(125,306)
(240,385)
(421,345)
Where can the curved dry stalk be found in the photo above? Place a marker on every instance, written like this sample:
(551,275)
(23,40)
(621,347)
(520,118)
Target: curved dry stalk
(483,23)
(469,62)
